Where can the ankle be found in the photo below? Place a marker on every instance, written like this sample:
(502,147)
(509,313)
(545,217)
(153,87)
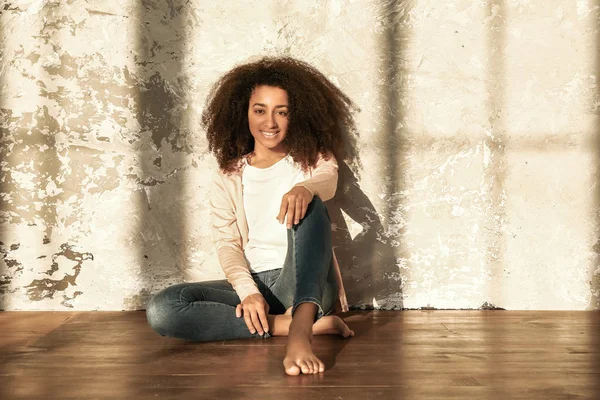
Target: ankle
(300,327)
(306,311)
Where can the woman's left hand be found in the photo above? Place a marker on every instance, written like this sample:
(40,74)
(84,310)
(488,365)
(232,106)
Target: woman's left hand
(294,204)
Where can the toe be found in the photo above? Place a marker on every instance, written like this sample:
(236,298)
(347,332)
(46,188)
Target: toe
(321,366)
(304,367)
(291,368)
(317,367)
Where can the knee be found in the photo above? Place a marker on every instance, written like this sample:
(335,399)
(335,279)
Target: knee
(157,314)
(317,209)
(317,202)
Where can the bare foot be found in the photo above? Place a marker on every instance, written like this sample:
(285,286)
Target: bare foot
(332,325)
(328,325)
(279,325)
(299,356)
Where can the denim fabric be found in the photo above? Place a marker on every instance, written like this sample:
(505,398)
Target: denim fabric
(205,311)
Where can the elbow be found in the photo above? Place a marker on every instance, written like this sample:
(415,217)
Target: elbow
(331,189)
(327,195)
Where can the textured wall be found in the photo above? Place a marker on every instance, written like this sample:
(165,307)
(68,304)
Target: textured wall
(479,137)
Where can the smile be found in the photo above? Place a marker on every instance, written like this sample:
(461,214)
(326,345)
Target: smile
(269,134)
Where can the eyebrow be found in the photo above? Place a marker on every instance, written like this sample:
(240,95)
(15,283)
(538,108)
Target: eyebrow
(264,105)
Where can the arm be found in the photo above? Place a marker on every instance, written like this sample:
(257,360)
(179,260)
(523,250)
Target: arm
(227,240)
(323,181)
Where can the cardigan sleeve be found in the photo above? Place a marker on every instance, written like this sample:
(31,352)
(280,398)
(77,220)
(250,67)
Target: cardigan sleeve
(228,241)
(323,180)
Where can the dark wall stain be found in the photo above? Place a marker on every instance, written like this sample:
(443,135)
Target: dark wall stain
(10,262)
(13,269)
(158,112)
(41,289)
(4,283)
(489,306)
(67,69)
(66,299)
(9,7)
(24,140)
(137,301)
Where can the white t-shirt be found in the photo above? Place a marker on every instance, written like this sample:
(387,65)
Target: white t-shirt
(263,189)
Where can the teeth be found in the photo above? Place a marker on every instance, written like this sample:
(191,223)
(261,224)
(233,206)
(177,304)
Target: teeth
(269,133)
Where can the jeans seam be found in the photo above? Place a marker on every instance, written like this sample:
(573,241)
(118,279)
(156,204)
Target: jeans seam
(294,257)
(304,299)
(181,294)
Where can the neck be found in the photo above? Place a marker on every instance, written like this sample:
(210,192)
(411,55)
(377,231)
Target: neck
(265,154)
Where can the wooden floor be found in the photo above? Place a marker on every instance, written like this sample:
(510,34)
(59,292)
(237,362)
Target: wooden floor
(394,355)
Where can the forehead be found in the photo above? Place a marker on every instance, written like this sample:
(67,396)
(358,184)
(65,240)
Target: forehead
(269,94)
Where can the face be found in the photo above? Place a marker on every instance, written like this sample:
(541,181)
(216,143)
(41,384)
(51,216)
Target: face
(268,118)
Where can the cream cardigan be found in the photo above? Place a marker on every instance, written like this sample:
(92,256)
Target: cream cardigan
(230,228)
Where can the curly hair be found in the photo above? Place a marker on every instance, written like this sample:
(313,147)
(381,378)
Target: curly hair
(320,118)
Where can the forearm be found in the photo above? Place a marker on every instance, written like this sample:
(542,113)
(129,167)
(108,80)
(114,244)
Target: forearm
(236,271)
(323,180)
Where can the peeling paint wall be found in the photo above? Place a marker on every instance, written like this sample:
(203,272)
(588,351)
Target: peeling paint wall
(479,142)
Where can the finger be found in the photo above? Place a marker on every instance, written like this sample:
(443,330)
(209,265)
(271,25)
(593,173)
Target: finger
(263,319)
(290,214)
(304,208)
(238,310)
(248,321)
(298,211)
(256,322)
(282,209)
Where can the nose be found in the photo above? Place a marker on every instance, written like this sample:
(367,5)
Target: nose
(271,122)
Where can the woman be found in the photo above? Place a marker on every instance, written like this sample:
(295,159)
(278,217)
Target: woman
(276,127)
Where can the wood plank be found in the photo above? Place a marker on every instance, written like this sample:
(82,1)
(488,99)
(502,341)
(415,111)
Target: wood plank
(20,328)
(409,354)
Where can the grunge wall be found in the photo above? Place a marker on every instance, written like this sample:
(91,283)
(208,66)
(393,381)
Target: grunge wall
(478,133)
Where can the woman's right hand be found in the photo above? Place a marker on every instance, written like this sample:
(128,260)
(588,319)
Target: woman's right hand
(254,309)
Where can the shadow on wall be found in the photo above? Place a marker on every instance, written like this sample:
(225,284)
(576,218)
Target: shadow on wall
(4,278)
(367,264)
(369,260)
(371,257)
(594,274)
(160,101)
(31,136)
(495,174)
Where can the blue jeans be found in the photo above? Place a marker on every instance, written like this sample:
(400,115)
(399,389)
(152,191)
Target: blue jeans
(205,311)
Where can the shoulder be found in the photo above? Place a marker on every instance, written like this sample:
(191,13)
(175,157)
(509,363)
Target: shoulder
(235,168)
(325,159)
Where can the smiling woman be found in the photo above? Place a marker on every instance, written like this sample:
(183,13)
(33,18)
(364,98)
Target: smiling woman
(277,128)
(268,120)
(320,115)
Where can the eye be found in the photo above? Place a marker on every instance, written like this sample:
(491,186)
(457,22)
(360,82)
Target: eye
(259,111)
(283,113)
